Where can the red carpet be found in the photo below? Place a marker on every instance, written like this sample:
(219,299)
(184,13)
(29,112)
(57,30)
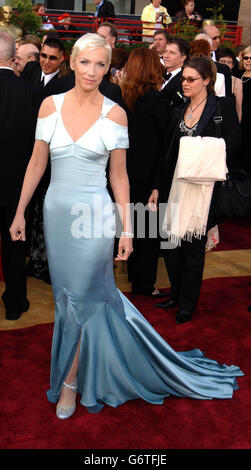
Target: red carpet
(220,328)
(235,234)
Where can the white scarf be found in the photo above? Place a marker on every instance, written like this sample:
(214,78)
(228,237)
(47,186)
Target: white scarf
(201,162)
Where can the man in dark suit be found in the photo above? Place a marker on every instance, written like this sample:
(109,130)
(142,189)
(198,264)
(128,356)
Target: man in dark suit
(175,54)
(41,74)
(47,69)
(105,9)
(17,128)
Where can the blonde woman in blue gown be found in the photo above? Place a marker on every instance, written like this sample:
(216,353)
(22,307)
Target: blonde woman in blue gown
(103,348)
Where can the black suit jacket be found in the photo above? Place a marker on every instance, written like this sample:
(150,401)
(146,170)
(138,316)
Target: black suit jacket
(146,128)
(63,84)
(170,91)
(230,132)
(33,72)
(18,113)
(106,10)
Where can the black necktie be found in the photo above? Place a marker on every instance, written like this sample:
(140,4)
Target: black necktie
(167,76)
(42,83)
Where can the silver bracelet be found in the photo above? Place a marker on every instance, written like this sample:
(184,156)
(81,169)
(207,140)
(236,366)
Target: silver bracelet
(127,234)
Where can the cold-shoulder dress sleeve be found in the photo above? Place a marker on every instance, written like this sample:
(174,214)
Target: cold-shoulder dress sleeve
(114,136)
(45,127)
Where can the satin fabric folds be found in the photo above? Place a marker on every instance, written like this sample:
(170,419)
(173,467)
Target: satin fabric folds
(121,356)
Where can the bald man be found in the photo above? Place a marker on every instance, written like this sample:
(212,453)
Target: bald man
(26,53)
(17,132)
(214,34)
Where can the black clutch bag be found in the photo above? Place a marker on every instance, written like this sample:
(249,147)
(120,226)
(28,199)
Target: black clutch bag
(234,195)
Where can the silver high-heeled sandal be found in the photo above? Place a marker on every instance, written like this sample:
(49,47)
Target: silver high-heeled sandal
(64,412)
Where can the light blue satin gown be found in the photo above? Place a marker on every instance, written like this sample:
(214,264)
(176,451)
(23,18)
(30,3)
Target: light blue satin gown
(121,356)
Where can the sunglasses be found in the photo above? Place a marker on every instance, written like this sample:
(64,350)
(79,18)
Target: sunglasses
(50,57)
(246,58)
(190,79)
(215,37)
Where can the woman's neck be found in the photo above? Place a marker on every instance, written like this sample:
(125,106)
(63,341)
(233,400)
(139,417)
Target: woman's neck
(84,97)
(195,100)
(247,73)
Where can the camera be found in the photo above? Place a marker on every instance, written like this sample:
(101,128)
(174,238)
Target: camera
(114,71)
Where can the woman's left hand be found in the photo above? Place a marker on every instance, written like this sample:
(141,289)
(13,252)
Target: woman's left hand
(153,200)
(125,249)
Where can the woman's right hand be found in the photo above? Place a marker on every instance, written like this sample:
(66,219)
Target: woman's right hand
(17,229)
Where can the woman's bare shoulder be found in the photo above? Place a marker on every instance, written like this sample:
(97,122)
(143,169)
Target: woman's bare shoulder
(47,107)
(118,115)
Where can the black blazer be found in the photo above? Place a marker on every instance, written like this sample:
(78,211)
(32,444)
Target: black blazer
(18,112)
(106,10)
(63,84)
(170,91)
(33,72)
(146,128)
(231,133)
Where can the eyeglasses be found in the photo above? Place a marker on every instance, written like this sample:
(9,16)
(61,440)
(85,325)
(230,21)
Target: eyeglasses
(226,62)
(246,58)
(190,79)
(50,57)
(215,37)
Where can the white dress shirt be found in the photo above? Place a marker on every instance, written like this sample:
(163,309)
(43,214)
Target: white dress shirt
(213,56)
(48,77)
(219,87)
(173,73)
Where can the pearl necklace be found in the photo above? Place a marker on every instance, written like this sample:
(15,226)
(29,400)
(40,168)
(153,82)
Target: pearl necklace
(190,115)
(243,77)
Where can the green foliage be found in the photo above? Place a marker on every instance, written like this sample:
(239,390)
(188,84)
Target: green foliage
(68,45)
(25,18)
(216,14)
(185,29)
(217,18)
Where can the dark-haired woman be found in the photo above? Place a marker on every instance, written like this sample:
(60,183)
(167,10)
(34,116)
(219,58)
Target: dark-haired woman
(185,262)
(147,114)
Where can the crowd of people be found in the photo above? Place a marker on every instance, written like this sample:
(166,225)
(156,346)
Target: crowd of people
(166,95)
(150,94)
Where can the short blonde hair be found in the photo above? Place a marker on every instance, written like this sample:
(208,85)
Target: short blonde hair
(247,50)
(91,41)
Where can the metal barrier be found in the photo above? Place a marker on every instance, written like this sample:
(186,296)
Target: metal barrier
(130,31)
(82,23)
